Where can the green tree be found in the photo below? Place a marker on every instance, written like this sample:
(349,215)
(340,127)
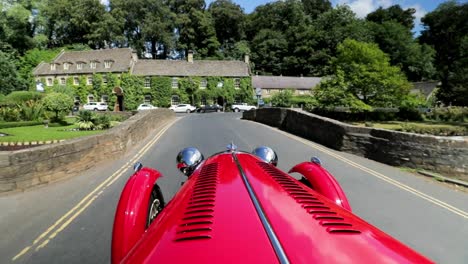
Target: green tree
(70,21)
(58,103)
(415,60)
(229,22)
(195,28)
(282,98)
(334,92)
(30,60)
(316,7)
(17,30)
(368,75)
(333,27)
(9,77)
(157,26)
(446,30)
(269,48)
(395,14)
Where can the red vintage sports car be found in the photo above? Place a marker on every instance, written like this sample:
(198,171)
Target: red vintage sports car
(237,207)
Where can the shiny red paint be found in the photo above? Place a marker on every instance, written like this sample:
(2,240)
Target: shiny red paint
(212,219)
(132,210)
(306,233)
(323,182)
(236,234)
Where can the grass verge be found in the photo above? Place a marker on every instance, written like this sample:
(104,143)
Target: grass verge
(41,133)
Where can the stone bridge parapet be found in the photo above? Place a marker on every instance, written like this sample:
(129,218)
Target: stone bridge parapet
(26,168)
(446,155)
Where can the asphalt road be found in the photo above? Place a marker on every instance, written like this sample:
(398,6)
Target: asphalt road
(71,221)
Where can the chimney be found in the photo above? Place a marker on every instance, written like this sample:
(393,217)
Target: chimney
(247,58)
(190,56)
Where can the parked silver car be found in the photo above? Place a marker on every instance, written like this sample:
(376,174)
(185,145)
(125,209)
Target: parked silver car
(183,108)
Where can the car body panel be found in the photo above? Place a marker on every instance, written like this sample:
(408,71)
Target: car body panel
(146,107)
(243,107)
(235,208)
(183,108)
(98,106)
(210,108)
(235,231)
(131,213)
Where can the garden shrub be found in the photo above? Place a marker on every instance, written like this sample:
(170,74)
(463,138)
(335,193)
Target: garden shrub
(102,122)
(10,114)
(20,124)
(19,97)
(448,114)
(435,130)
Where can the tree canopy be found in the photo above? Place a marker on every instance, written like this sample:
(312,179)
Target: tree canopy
(289,37)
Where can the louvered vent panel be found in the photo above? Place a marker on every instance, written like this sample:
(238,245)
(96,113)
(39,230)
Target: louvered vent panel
(198,217)
(329,219)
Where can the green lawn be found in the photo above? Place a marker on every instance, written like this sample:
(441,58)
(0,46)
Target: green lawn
(41,133)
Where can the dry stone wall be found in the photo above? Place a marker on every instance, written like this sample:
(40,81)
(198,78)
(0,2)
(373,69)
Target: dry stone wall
(447,155)
(26,168)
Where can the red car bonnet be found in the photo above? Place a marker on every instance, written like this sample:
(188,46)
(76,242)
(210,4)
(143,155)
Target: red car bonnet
(237,209)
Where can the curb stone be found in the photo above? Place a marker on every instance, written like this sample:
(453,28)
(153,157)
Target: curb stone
(442,178)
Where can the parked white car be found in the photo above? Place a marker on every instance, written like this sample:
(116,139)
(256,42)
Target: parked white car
(146,107)
(96,106)
(242,107)
(183,108)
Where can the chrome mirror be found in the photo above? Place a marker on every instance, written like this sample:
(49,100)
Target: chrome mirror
(316,160)
(137,167)
(266,154)
(188,159)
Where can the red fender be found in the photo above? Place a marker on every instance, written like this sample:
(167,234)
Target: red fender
(323,182)
(131,214)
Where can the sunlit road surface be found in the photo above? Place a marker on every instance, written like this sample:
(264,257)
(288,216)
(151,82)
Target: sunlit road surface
(71,221)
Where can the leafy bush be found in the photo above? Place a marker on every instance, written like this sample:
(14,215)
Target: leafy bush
(102,122)
(10,114)
(282,98)
(448,114)
(20,97)
(31,110)
(58,103)
(20,124)
(435,130)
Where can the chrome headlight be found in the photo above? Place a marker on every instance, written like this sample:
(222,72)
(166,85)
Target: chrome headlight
(188,159)
(266,154)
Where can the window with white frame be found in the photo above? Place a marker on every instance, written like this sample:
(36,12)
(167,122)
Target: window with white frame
(147,82)
(76,80)
(93,64)
(175,83)
(147,98)
(107,64)
(236,83)
(105,98)
(53,66)
(268,91)
(50,81)
(63,81)
(104,80)
(79,66)
(175,100)
(203,84)
(66,66)
(90,80)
